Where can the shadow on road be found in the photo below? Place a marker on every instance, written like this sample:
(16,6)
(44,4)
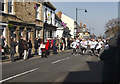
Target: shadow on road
(93,75)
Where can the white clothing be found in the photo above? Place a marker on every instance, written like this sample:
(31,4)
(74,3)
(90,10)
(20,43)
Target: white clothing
(93,44)
(78,42)
(83,44)
(74,44)
(99,45)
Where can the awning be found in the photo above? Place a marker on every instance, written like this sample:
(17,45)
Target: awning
(21,24)
(49,27)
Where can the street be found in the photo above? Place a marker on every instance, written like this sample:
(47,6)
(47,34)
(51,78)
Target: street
(61,67)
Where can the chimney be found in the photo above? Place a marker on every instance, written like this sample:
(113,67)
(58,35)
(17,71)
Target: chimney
(80,24)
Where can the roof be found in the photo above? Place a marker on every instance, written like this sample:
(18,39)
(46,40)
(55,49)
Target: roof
(57,18)
(49,4)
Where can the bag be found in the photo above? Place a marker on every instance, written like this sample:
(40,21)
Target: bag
(42,46)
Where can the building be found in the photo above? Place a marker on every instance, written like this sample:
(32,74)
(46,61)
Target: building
(21,19)
(49,20)
(84,33)
(62,30)
(70,23)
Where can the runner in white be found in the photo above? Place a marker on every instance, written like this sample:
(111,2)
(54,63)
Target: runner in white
(99,46)
(74,46)
(83,44)
(92,46)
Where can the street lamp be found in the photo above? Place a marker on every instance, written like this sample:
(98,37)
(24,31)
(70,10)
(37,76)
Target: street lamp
(85,10)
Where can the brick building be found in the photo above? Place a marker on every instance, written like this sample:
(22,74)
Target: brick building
(21,19)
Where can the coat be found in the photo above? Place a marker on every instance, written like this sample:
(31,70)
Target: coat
(36,44)
(20,47)
(13,45)
(25,45)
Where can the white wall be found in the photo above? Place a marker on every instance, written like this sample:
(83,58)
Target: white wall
(70,23)
(49,17)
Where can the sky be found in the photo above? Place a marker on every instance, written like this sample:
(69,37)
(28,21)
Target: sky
(99,13)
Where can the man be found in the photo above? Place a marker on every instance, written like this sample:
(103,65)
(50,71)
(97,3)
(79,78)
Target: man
(13,44)
(74,46)
(2,44)
(20,47)
(25,47)
(36,46)
(83,44)
(93,44)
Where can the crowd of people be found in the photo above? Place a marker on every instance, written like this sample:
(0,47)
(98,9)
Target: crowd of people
(92,46)
(54,45)
(26,47)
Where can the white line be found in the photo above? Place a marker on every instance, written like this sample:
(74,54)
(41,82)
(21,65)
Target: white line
(56,61)
(18,75)
(68,58)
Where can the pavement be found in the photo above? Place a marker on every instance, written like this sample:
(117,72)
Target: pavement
(57,68)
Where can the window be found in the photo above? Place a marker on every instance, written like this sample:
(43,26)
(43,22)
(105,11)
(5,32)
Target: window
(51,16)
(2,5)
(10,6)
(37,11)
(45,14)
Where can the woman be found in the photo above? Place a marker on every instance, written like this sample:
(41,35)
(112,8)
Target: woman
(13,45)
(29,48)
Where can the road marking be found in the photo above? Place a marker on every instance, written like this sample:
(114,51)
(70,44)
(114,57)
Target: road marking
(18,75)
(56,61)
(60,60)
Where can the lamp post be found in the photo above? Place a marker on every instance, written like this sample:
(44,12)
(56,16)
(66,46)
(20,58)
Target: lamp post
(85,10)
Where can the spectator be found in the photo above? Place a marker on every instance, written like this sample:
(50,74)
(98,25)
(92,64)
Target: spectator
(25,47)
(13,45)
(20,47)
(29,48)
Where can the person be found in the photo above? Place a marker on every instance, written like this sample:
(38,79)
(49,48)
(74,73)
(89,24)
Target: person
(13,45)
(78,43)
(99,46)
(68,43)
(20,47)
(61,44)
(29,48)
(43,48)
(93,44)
(55,46)
(25,47)
(110,71)
(3,44)
(39,43)
(83,44)
(47,52)
(36,46)
(74,46)
(64,43)
(57,42)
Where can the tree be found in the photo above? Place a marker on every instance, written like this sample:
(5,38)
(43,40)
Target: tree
(112,27)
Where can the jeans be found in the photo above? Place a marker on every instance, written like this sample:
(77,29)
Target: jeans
(29,52)
(35,51)
(12,57)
